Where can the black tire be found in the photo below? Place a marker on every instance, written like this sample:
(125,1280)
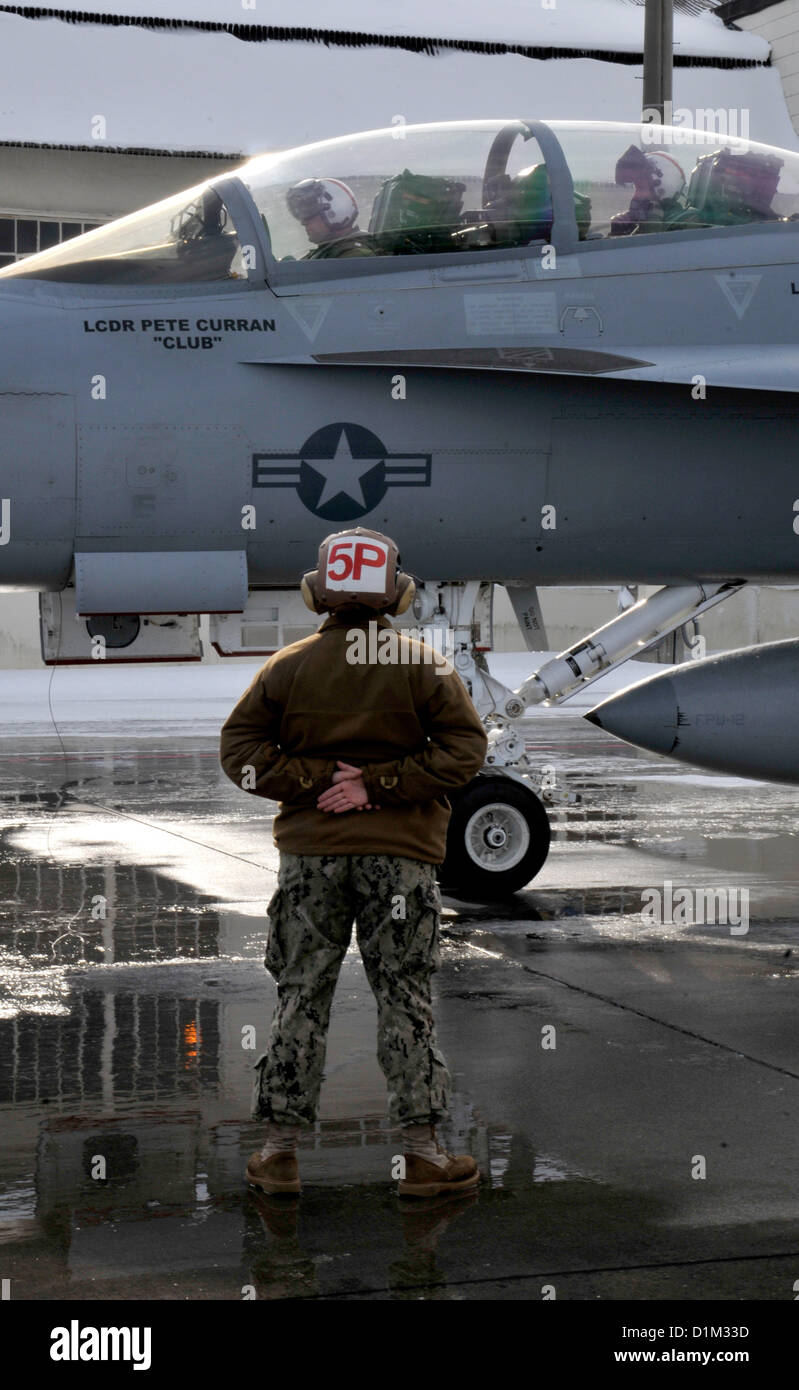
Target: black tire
(523,822)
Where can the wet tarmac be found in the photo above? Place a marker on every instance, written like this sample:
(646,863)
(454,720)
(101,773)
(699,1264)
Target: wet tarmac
(630,1087)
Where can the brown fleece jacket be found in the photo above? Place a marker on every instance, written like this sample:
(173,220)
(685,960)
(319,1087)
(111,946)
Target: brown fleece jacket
(410,725)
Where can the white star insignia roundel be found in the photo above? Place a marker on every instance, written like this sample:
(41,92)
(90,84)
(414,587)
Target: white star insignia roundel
(343,473)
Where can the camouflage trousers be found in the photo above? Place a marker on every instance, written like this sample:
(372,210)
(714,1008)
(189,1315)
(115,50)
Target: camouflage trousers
(395,903)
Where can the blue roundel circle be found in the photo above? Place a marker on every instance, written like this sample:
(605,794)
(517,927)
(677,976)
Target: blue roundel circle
(342,471)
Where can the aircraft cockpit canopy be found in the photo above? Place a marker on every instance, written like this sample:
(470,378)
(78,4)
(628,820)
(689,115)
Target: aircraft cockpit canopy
(442,189)
(408,190)
(187,239)
(647,178)
(489,185)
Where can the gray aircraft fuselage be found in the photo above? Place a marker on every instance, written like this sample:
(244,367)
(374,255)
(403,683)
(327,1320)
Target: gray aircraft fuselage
(501,420)
(647,483)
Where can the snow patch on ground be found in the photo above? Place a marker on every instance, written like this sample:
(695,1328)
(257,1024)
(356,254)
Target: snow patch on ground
(185,698)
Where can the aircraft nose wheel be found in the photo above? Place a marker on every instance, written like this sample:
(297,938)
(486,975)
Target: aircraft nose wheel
(497,836)
(498,839)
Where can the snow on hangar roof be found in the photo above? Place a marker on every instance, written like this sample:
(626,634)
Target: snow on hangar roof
(584,26)
(214,76)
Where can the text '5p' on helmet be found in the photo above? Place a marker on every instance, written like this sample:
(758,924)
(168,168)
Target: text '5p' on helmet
(329,199)
(358,568)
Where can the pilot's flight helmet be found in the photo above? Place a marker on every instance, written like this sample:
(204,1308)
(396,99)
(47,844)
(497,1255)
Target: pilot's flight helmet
(329,199)
(668,178)
(661,171)
(358,568)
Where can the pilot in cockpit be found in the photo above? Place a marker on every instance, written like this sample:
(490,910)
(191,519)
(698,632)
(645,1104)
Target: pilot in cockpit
(329,213)
(658,183)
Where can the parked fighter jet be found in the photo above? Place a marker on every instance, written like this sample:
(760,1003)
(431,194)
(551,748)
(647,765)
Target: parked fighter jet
(535,352)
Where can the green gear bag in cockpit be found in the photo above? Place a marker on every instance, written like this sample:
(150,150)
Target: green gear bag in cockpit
(531,204)
(416,212)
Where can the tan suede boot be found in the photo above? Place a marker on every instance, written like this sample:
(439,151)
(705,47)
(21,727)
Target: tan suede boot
(423,1178)
(278,1173)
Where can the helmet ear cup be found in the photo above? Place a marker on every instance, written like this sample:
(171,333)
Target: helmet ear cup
(406,590)
(307,587)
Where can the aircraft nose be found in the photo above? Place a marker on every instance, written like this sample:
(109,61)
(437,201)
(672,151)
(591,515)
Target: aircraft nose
(646,715)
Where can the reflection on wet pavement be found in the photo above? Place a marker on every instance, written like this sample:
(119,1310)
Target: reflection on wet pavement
(593,1054)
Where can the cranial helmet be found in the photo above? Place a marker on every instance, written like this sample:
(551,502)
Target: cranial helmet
(329,199)
(358,568)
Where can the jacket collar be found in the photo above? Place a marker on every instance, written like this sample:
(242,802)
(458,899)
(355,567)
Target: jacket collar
(362,618)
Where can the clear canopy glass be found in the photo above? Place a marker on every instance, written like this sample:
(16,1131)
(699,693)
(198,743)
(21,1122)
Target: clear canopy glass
(649,178)
(448,188)
(414,189)
(465,186)
(187,239)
